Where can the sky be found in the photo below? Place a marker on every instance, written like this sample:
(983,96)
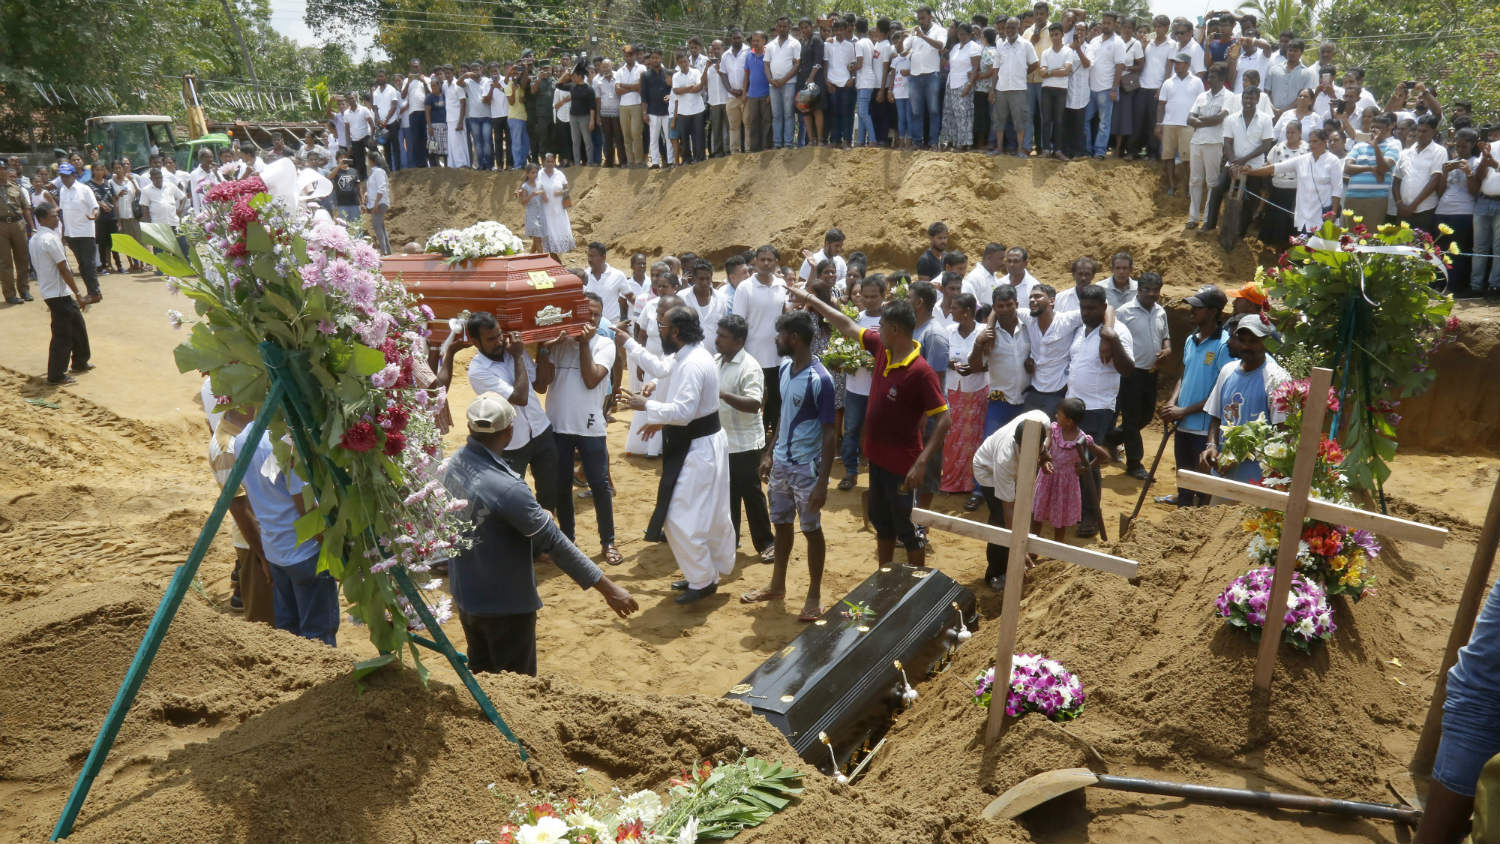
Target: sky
(286,18)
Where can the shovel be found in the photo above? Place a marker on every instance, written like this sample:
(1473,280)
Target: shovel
(1150,477)
(1229,222)
(1030,793)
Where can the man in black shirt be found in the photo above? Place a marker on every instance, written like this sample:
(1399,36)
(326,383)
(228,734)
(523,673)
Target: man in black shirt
(930,263)
(346,191)
(583,113)
(539,112)
(655,89)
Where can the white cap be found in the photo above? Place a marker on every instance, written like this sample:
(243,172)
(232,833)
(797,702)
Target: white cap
(490,412)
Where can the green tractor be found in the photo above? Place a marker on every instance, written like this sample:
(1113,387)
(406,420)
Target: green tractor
(139,136)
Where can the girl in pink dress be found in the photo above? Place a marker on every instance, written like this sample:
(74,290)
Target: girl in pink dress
(1058,492)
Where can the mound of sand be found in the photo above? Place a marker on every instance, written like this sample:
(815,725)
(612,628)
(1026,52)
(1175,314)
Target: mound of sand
(1168,683)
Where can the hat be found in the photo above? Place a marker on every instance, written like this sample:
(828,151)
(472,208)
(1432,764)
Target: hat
(1182,57)
(65,169)
(1257,324)
(1251,292)
(490,412)
(1208,296)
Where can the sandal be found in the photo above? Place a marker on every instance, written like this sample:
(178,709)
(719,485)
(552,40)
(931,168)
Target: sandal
(613,556)
(811,615)
(848,482)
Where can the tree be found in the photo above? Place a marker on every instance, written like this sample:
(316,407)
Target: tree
(1278,16)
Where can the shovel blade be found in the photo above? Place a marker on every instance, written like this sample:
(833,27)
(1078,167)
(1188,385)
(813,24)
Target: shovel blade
(1034,791)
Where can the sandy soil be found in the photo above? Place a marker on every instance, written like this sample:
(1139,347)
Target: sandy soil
(104,495)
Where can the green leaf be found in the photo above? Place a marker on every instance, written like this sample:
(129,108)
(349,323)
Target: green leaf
(162,237)
(367,361)
(168,263)
(309,526)
(366,667)
(256,238)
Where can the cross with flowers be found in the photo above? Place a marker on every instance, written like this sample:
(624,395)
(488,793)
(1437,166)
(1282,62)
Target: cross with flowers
(1297,504)
(1020,542)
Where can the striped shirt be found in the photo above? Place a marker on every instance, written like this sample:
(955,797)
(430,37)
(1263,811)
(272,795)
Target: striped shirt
(1364,185)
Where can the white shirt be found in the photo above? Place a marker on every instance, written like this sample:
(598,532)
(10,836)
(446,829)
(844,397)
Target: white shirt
(781,55)
(926,58)
(499,105)
(981,283)
(900,80)
(312,185)
(838,54)
(384,97)
(1491,184)
(1147,330)
(741,376)
(1324,106)
(882,53)
(1106,55)
(1318,182)
(1210,104)
(1007,362)
(1078,81)
(1309,122)
(610,286)
(997,458)
(688,104)
(199,183)
(1057,60)
(1049,351)
(1195,52)
(961,65)
(1089,378)
(358,122)
(1417,168)
(840,268)
(627,75)
(377,188)
(474,91)
(76,204)
(691,393)
(760,305)
(708,315)
(1157,55)
(1255,60)
(1279,153)
(46,250)
(125,194)
(959,348)
(718,92)
(1012,58)
(1179,93)
(415,98)
(161,201)
(498,376)
(561,108)
(732,65)
(858,381)
(868,75)
(453,97)
(1248,136)
(572,407)
(1023,288)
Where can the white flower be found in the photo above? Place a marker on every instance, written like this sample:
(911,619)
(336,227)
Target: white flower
(642,805)
(1305,628)
(689,832)
(174,318)
(548,830)
(584,822)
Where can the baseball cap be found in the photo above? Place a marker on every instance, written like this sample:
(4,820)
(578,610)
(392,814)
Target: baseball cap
(490,412)
(1257,324)
(1251,292)
(1182,57)
(1208,296)
(65,169)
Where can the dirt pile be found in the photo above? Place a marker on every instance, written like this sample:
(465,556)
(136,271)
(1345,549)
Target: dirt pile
(1168,683)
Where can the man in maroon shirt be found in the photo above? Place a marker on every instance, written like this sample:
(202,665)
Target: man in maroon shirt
(904,393)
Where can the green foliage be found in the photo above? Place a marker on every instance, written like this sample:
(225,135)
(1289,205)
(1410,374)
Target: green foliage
(1277,16)
(1449,44)
(1374,319)
(730,798)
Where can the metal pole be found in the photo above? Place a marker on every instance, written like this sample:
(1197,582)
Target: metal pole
(165,611)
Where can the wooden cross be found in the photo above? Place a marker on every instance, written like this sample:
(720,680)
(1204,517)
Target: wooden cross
(1296,504)
(1019,542)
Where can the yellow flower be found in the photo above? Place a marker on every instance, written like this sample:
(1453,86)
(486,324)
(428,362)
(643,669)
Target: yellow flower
(1251,524)
(1453,247)
(1348,212)
(1444,228)
(1405,225)
(1338,562)
(1359,218)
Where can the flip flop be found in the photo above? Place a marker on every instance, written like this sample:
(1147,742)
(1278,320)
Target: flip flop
(756,596)
(848,483)
(812,616)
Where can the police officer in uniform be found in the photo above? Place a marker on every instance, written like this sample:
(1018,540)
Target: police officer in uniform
(15,220)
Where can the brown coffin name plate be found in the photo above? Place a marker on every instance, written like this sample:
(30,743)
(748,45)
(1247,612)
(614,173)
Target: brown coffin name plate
(531,294)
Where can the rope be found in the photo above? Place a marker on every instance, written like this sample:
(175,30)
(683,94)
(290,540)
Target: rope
(1289,212)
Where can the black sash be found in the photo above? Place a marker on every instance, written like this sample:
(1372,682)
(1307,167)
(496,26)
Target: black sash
(675,442)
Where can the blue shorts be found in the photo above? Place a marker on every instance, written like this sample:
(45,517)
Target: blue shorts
(791,487)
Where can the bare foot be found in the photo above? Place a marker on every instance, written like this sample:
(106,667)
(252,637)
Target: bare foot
(756,596)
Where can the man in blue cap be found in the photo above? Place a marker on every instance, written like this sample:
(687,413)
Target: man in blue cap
(79,207)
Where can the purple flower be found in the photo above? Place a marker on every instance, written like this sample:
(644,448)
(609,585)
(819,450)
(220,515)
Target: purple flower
(1366,542)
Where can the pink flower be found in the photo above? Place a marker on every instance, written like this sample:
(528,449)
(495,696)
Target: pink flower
(359,437)
(395,442)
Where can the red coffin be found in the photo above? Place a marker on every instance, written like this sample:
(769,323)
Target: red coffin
(531,294)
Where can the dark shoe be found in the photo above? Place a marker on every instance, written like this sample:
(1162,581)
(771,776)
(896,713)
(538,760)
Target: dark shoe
(973,503)
(66,379)
(660,537)
(27,297)
(1086,530)
(680,585)
(1139,473)
(236,603)
(85,368)
(996,583)
(692,595)
(13,300)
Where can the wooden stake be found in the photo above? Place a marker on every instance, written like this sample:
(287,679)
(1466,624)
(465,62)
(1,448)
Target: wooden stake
(1291,524)
(1463,628)
(1015,577)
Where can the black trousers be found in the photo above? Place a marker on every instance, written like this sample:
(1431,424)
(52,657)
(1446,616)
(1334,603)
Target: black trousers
(996,557)
(500,642)
(86,252)
(500,138)
(1073,140)
(692,131)
(1136,403)
(540,453)
(1096,424)
(1187,447)
(357,151)
(70,338)
(744,487)
(771,409)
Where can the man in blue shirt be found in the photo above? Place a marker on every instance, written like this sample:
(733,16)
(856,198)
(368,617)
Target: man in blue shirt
(1203,354)
(493,580)
(306,600)
(799,459)
(757,94)
(1242,394)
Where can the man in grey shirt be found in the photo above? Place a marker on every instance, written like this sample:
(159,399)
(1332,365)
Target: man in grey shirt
(1287,78)
(493,580)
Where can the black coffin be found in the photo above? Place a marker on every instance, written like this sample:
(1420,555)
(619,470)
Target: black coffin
(839,675)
